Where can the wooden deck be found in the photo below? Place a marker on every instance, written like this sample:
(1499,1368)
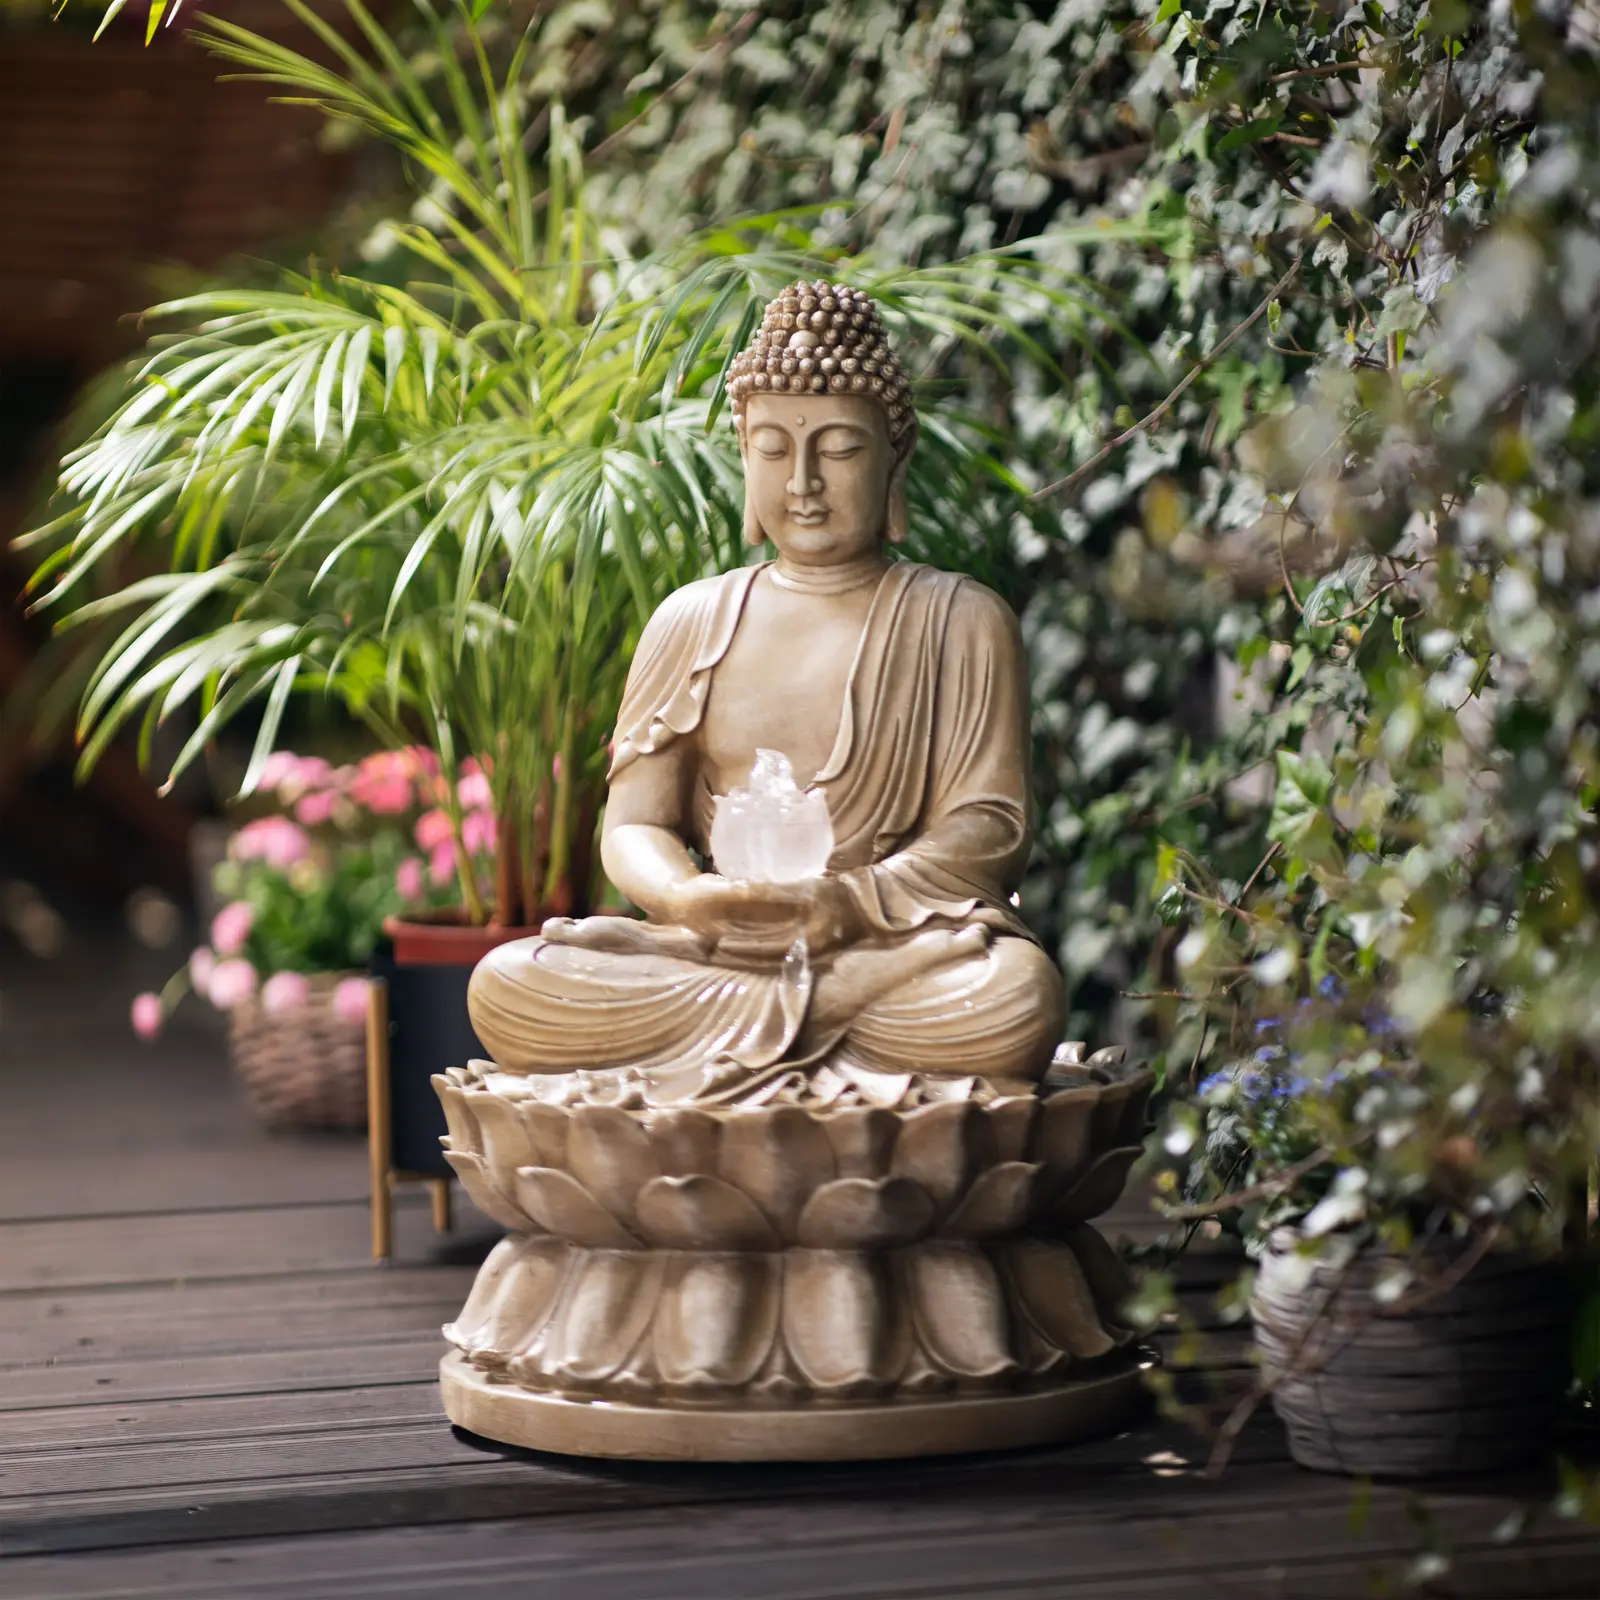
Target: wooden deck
(207,1391)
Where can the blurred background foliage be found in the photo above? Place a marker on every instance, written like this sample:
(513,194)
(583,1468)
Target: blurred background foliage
(1306,559)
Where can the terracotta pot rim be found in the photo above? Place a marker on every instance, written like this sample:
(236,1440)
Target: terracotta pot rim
(445,940)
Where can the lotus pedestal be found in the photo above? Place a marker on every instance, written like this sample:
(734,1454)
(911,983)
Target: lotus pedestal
(793,1282)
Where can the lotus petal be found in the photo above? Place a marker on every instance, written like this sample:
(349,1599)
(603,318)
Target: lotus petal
(943,1147)
(1108,1113)
(1098,1189)
(685,1142)
(562,1206)
(474,1175)
(610,1301)
(506,1145)
(609,1153)
(525,1297)
(863,1139)
(491,1279)
(1062,1137)
(1055,1297)
(840,1323)
(1011,1125)
(547,1133)
(717,1320)
(701,1213)
(780,1157)
(865,1214)
(1131,1128)
(960,1309)
(462,1125)
(999,1201)
(1107,1275)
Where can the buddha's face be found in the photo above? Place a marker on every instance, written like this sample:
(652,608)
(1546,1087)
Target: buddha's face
(817,471)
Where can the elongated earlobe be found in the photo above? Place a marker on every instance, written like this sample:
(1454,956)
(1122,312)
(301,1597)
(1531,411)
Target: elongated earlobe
(754,533)
(897,521)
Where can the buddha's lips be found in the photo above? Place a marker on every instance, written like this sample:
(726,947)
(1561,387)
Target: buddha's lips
(808,519)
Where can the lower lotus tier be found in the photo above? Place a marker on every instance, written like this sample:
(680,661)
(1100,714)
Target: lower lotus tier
(797,1329)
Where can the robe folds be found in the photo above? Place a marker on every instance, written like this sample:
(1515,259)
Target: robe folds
(928,790)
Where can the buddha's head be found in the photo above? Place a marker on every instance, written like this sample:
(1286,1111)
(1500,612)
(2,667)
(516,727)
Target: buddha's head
(825,426)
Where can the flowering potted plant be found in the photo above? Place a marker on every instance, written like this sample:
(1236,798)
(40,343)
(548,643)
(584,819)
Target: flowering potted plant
(1413,1315)
(308,888)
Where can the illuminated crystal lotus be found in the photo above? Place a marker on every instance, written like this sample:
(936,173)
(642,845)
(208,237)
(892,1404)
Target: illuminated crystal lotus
(772,831)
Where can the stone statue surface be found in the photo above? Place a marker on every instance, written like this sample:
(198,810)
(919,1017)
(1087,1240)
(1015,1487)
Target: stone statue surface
(899,694)
(776,1157)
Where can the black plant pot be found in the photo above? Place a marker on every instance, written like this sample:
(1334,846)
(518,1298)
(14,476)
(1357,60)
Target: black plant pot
(1470,1379)
(424,969)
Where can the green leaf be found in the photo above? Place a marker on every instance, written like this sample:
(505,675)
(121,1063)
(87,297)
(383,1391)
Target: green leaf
(355,370)
(1250,133)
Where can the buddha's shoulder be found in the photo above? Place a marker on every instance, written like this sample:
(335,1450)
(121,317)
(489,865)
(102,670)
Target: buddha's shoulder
(693,602)
(974,607)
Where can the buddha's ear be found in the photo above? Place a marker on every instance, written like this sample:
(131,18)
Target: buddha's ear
(897,520)
(754,533)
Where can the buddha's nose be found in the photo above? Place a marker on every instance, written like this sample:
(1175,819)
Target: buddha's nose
(805,480)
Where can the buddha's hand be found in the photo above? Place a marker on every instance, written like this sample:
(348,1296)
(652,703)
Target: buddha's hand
(765,919)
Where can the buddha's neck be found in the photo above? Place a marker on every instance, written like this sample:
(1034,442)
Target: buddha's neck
(835,579)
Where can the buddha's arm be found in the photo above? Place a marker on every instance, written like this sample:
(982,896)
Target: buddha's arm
(641,844)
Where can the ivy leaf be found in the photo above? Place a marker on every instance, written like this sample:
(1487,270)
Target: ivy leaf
(1250,133)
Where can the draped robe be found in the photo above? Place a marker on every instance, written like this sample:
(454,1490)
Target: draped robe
(928,789)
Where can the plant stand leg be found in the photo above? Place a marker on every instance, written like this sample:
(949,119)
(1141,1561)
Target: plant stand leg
(378,1124)
(443,1212)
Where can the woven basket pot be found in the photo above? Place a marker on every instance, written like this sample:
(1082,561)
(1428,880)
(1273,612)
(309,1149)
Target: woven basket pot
(304,1067)
(1468,1380)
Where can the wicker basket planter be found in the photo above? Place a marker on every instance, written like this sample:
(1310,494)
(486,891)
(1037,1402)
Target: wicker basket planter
(305,1067)
(1472,1380)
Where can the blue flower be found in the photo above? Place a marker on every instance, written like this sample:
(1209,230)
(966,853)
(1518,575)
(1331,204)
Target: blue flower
(1330,988)
(1216,1081)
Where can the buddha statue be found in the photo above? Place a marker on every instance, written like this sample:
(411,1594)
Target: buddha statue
(897,691)
(794,1166)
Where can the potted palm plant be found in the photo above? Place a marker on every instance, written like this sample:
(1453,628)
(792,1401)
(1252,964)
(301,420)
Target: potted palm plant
(450,502)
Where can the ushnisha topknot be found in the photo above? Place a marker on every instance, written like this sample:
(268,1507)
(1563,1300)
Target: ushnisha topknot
(824,338)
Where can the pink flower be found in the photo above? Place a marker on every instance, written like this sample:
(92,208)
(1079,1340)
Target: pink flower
(275,840)
(202,963)
(350,1000)
(230,928)
(147,1015)
(477,832)
(433,830)
(421,761)
(473,790)
(383,783)
(441,866)
(284,991)
(555,767)
(232,983)
(408,879)
(316,807)
(280,766)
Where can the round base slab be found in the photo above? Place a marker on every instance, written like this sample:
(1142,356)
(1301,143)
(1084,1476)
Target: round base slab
(1080,1409)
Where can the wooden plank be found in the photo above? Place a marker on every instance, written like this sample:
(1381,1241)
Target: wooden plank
(1254,1538)
(51,1430)
(247,1242)
(383,1477)
(90,1326)
(405,1360)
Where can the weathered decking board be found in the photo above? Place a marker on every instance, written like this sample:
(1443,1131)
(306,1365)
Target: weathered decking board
(208,1393)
